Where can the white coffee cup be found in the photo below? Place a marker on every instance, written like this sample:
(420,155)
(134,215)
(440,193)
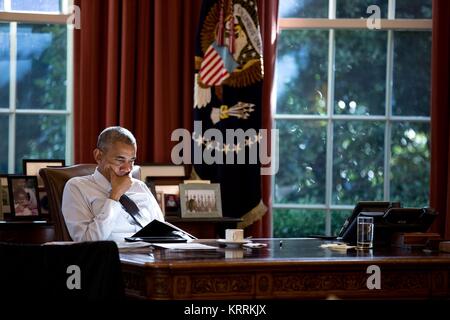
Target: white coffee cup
(234,254)
(234,234)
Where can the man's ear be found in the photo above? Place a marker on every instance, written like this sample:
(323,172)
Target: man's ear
(98,155)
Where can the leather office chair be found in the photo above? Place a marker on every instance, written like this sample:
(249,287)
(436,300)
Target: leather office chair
(30,272)
(54,180)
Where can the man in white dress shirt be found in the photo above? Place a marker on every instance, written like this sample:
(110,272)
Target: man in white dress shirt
(91,204)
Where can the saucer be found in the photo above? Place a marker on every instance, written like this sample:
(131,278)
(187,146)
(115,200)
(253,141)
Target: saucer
(231,243)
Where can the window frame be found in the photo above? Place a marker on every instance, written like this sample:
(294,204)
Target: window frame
(331,24)
(13,18)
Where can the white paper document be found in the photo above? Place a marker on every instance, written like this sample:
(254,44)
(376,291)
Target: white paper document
(133,246)
(185,246)
(337,246)
(58,243)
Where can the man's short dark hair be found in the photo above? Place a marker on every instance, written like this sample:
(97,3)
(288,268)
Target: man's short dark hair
(114,134)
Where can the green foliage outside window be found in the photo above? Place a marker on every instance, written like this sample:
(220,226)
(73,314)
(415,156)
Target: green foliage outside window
(359,150)
(41,80)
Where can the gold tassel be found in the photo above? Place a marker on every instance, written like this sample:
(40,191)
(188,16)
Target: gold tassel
(253,215)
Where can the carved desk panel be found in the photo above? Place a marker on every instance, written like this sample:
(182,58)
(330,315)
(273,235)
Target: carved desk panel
(299,269)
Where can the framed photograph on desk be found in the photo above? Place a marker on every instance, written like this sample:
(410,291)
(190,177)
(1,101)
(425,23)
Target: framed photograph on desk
(160,199)
(1,204)
(171,204)
(31,167)
(200,200)
(43,203)
(4,196)
(156,171)
(24,198)
(167,194)
(163,180)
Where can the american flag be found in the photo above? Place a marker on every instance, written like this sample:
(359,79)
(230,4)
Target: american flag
(228,96)
(217,65)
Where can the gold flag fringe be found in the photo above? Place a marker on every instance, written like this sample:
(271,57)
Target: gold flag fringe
(253,215)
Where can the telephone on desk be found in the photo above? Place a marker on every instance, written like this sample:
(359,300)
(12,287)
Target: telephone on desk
(389,218)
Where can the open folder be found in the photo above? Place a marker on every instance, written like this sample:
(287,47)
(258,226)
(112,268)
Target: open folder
(161,232)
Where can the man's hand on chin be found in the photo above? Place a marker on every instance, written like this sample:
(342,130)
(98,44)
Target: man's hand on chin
(119,184)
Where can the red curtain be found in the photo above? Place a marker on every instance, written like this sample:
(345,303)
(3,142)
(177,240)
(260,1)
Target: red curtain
(268,18)
(440,117)
(134,67)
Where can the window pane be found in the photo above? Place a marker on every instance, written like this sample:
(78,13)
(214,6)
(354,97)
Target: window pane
(44,137)
(358,8)
(411,85)
(41,66)
(303,9)
(301,176)
(1,5)
(360,72)
(36,5)
(4,65)
(358,158)
(298,223)
(302,71)
(410,163)
(413,9)
(4,143)
(338,218)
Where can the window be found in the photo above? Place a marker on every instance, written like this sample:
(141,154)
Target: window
(35,82)
(352,110)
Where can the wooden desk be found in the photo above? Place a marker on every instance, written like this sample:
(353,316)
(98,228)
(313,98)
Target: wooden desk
(26,231)
(300,269)
(43,231)
(205,228)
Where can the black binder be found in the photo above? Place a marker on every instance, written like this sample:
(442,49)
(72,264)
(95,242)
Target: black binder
(161,232)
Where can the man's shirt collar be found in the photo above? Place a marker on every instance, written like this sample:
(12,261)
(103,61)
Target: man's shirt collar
(101,180)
